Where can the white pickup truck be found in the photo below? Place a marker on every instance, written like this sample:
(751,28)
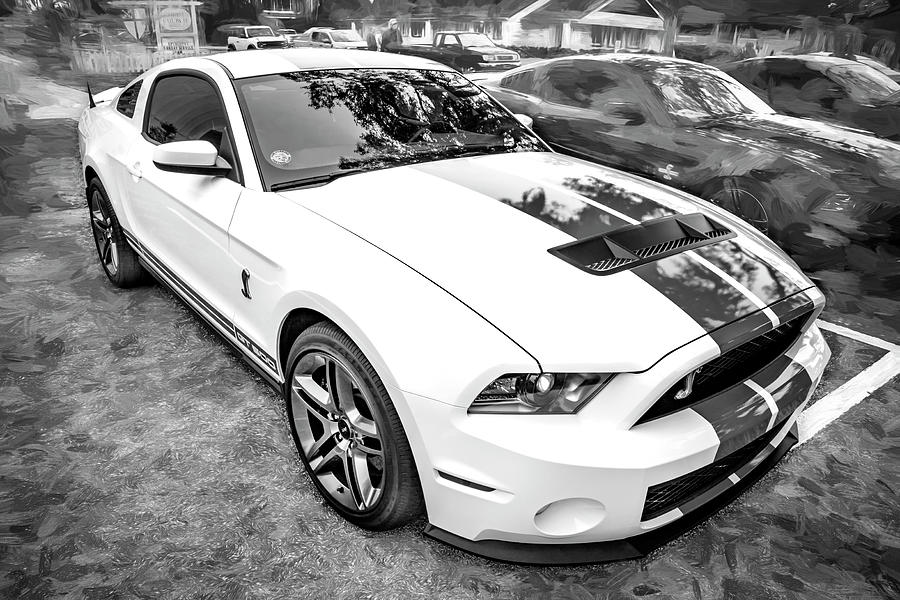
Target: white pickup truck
(252,37)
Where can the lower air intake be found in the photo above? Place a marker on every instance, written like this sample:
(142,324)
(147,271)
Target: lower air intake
(663,497)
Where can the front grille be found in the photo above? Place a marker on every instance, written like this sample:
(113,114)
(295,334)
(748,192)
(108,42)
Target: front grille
(272,45)
(730,368)
(505,57)
(663,497)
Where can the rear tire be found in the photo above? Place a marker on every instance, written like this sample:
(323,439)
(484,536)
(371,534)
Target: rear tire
(118,259)
(251,47)
(347,432)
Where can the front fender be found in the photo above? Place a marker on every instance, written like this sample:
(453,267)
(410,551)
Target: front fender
(419,338)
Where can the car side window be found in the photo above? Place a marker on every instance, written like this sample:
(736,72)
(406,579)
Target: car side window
(128,99)
(184,107)
(522,82)
(589,85)
(451,40)
(793,81)
(754,74)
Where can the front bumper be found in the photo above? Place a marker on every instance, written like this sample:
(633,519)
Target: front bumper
(558,489)
(496,66)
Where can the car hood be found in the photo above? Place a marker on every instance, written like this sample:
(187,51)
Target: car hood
(820,147)
(481,228)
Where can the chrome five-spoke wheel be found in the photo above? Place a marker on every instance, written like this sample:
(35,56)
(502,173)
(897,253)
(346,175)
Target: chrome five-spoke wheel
(347,431)
(118,259)
(101,225)
(338,435)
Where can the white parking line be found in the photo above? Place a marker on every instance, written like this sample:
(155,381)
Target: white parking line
(853,391)
(858,336)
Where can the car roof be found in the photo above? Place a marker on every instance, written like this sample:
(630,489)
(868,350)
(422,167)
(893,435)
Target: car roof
(825,60)
(270,62)
(630,58)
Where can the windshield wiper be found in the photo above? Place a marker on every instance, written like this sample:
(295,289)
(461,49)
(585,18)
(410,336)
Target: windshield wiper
(314,180)
(476,149)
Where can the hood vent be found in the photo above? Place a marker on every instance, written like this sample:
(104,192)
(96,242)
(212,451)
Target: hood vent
(633,245)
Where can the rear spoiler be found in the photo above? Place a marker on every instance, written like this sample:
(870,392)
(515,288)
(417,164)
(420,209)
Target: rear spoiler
(94,100)
(627,247)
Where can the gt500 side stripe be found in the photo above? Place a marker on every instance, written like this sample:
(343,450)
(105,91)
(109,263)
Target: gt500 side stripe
(210,312)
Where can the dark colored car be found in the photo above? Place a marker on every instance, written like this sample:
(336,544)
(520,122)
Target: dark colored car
(465,51)
(825,88)
(816,189)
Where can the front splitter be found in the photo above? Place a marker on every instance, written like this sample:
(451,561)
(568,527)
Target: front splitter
(614,550)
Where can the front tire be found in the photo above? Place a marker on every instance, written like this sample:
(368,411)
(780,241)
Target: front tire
(119,261)
(348,433)
(742,198)
(231,48)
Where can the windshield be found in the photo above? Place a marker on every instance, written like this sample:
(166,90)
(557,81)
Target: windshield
(314,124)
(692,93)
(345,36)
(474,39)
(863,82)
(259,31)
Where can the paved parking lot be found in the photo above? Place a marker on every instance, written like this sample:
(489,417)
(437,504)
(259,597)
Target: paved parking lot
(140,458)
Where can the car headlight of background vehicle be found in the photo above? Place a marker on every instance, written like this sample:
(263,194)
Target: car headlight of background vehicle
(542,393)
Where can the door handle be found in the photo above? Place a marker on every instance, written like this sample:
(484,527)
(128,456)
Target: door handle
(135,170)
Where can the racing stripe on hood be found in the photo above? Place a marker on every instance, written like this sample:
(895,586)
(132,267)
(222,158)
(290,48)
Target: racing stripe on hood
(709,287)
(747,411)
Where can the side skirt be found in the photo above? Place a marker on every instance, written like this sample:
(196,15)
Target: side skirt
(250,352)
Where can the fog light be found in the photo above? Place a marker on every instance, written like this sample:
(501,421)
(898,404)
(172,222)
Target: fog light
(570,516)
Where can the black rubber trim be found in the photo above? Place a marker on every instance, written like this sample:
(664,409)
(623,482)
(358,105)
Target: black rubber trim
(465,482)
(617,550)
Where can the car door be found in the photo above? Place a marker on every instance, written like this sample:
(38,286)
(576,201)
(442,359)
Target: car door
(179,219)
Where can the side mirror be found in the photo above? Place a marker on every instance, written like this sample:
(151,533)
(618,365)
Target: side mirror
(195,157)
(524,120)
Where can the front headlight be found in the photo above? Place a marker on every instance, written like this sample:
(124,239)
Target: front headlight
(539,393)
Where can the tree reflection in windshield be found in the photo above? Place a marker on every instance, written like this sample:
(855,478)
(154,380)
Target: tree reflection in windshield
(314,123)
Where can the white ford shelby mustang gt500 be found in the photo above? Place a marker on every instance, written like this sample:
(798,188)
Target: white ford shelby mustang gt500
(559,362)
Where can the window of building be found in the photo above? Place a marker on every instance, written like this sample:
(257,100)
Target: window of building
(128,99)
(417,29)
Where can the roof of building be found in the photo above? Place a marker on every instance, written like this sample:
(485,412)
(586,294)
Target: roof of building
(269,62)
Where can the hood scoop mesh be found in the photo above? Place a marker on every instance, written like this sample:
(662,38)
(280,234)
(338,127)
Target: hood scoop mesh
(633,245)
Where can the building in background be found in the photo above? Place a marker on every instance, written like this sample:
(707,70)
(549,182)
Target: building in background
(603,25)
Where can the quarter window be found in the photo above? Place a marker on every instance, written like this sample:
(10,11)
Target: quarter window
(184,107)
(128,99)
(522,82)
